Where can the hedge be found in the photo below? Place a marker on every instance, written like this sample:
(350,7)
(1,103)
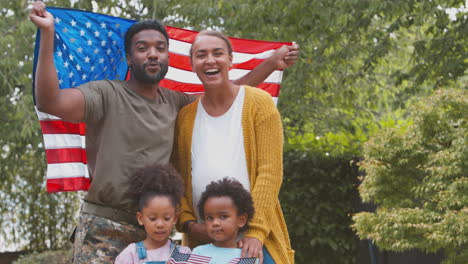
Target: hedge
(318,196)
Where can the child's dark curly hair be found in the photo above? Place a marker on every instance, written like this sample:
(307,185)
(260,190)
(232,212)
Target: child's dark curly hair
(229,187)
(155,180)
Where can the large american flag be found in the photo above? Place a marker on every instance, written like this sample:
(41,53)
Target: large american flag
(90,46)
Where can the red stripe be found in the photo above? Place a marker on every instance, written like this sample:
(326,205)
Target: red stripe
(65,155)
(180,61)
(271,88)
(238,44)
(68,184)
(248,65)
(181,86)
(62,127)
(183,62)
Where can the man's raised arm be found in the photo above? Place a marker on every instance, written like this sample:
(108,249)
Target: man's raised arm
(67,104)
(282,58)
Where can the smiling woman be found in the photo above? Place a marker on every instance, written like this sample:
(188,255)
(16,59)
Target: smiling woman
(232,131)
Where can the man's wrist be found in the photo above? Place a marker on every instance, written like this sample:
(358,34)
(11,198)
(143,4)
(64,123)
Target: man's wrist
(188,225)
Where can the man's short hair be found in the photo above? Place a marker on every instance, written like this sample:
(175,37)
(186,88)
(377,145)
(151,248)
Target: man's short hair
(140,26)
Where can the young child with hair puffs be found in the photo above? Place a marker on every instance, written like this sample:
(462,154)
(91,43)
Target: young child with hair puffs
(226,209)
(156,191)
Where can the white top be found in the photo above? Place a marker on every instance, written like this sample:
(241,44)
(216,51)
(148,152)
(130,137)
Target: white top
(218,148)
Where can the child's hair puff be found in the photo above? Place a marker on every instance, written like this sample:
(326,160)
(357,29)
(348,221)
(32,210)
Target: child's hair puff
(155,180)
(229,187)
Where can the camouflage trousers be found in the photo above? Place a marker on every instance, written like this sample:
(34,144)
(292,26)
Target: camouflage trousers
(100,240)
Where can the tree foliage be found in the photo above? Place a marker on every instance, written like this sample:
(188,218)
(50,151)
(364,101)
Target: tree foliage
(317,194)
(418,178)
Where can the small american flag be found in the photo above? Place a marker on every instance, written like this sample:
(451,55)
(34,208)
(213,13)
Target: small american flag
(243,261)
(181,258)
(90,46)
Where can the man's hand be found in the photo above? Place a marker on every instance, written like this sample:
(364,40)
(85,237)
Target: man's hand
(285,56)
(40,17)
(198,231)
(251,248)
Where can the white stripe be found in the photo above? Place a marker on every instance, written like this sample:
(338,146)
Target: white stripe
(192,78)
(57,141)
(67,170)
(44,116)
(183,48)
(275,100)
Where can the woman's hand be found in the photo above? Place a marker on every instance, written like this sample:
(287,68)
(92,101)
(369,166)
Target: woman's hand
(285,56)
(251,248)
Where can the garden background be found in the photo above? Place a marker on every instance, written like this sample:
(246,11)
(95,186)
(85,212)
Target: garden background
(364,65)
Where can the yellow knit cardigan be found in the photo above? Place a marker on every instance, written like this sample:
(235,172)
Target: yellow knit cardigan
(263,143)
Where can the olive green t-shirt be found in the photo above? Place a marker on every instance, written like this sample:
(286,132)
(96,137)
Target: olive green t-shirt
(125,132)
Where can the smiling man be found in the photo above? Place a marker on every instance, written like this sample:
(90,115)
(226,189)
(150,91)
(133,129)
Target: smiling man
(129,125)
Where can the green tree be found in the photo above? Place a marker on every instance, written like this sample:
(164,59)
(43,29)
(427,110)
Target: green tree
(417,177)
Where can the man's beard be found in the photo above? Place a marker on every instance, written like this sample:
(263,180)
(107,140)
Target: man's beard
(140,74)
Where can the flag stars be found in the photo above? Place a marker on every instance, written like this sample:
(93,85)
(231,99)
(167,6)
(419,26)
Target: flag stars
(108,51)
(90,42)
(70,74)
(78,67)
(72,40)
(71,57)
(65,64)
(73,23)
(59,53)
(114,42)
(92,68)
(105,68)
(88,24)
(86,59)
(79,49)
(117,25)
(60,81)
(73,83)
(96,51)
(84,76)
(112,60)
(96,33)
(82,33)
(103,25)
(57,20)
(101,60)
(109,34)
(65,30)
(103,43)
